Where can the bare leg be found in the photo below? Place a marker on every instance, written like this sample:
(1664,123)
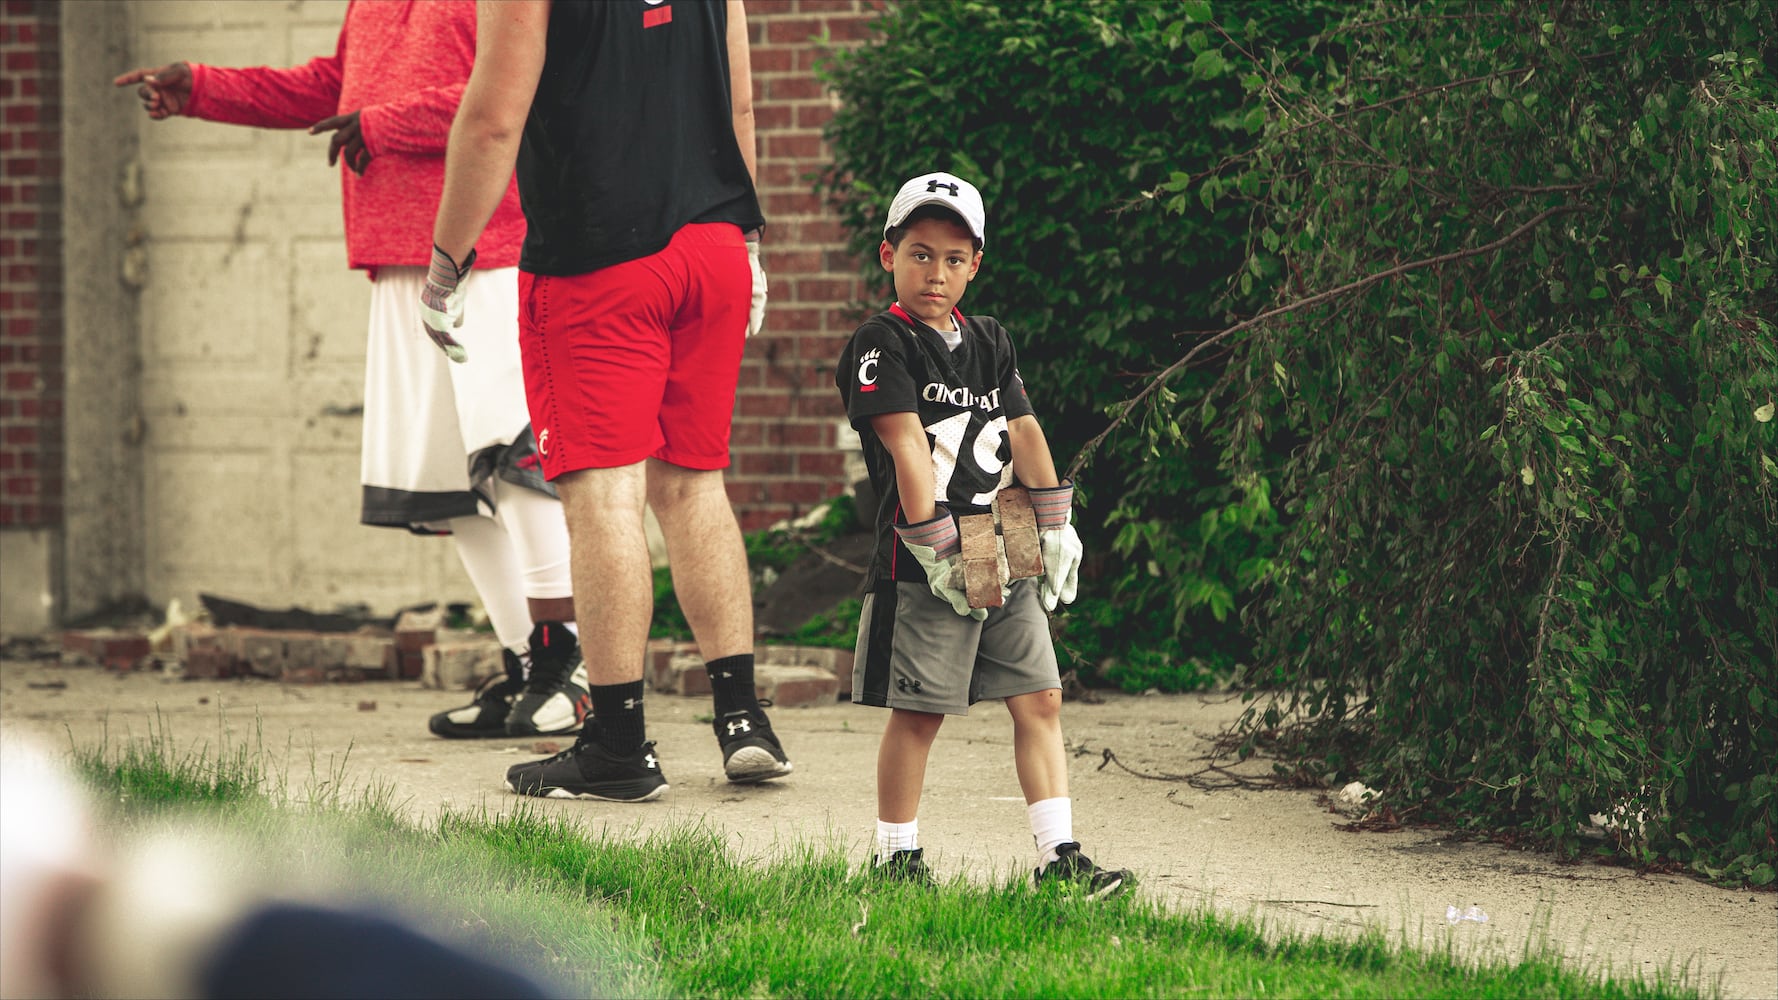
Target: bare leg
(1038,753)
(708,558)
(551,609)
(901,763)
(613,585)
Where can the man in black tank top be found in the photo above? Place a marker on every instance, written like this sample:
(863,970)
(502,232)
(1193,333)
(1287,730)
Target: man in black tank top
(631,126)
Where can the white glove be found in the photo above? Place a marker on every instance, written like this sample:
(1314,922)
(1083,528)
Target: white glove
(441,302)
(1061,544)
(1061,566)
(937,546)
(756,315)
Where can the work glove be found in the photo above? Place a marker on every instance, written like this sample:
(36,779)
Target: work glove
(756,314)
(937,546)
(1061,544)
(441,302)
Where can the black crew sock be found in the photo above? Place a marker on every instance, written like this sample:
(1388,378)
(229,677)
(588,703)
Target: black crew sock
(617,712)
(731,682)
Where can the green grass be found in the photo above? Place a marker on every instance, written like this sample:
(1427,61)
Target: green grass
(676,915)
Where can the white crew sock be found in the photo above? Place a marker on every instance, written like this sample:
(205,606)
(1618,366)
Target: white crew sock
(892,837)
(1052,823)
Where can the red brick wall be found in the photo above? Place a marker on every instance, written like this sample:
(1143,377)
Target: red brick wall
(785,457)
(30,266)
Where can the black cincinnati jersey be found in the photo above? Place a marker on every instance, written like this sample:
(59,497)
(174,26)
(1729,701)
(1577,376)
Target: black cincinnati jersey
(964,398)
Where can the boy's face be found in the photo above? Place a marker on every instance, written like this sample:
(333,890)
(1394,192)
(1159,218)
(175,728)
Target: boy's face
(933,266)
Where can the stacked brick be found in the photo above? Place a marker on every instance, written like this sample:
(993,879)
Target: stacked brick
(788,675)
(786,455)
(420,648)
(30,265)
(417,648)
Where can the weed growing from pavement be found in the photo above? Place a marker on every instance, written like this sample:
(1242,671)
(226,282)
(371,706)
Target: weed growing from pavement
(675,914)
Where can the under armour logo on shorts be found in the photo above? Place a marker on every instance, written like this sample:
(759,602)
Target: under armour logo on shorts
(906,685)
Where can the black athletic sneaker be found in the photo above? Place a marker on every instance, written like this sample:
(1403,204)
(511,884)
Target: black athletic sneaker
(485,716)
(589,771)
(750,750)
(905,866)
(1075,870)
(555,699)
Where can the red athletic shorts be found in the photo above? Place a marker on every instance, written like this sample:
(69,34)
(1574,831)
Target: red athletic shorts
(639,359)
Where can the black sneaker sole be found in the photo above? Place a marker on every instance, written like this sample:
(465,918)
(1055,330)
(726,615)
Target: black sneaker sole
(440,725)
(468,734)
(751,765)
(617,791)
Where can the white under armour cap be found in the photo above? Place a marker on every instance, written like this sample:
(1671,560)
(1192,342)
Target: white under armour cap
(944,189)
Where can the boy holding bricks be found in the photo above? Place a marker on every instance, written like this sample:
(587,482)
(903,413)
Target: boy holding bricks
(950,620)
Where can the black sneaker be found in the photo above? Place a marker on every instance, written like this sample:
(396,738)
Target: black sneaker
(484,717)
(750,750)
(1074,870)
(905,866)
(555,698)
(589,771)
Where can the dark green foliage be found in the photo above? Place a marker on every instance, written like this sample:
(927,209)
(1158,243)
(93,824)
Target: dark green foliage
(1064,113)
(1529,569)
(1514,401)
(768,554)
(669,621)
(837,627)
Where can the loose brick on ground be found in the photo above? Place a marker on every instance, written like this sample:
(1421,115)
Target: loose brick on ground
(791,687)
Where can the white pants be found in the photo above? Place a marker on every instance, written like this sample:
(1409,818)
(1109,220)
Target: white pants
(427,421)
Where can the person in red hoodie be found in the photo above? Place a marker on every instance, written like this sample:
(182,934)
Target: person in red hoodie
(448,448)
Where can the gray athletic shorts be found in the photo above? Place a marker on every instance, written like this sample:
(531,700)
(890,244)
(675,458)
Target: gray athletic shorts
(914,652)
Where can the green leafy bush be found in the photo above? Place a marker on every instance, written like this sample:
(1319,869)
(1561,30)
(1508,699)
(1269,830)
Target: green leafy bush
(1525,360)
(769,553)
(1064,113)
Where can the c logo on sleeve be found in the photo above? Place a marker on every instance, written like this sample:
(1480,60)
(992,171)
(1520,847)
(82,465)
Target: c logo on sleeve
(867,370)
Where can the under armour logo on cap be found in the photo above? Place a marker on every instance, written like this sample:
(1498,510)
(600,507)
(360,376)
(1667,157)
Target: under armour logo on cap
(944,189)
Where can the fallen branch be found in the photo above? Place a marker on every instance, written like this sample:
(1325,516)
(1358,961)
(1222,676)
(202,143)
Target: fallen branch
(1130,405)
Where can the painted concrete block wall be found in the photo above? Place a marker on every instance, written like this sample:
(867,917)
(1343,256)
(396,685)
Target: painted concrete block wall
(252,334)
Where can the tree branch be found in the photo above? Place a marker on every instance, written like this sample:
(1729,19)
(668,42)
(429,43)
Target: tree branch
(1130,405)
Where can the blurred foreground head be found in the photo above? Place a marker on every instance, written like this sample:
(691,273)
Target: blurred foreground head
(167,920)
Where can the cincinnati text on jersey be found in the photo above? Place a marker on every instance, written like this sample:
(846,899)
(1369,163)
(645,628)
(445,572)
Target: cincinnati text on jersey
(938,392)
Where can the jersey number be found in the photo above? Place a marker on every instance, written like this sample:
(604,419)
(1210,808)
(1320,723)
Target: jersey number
(949,445)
